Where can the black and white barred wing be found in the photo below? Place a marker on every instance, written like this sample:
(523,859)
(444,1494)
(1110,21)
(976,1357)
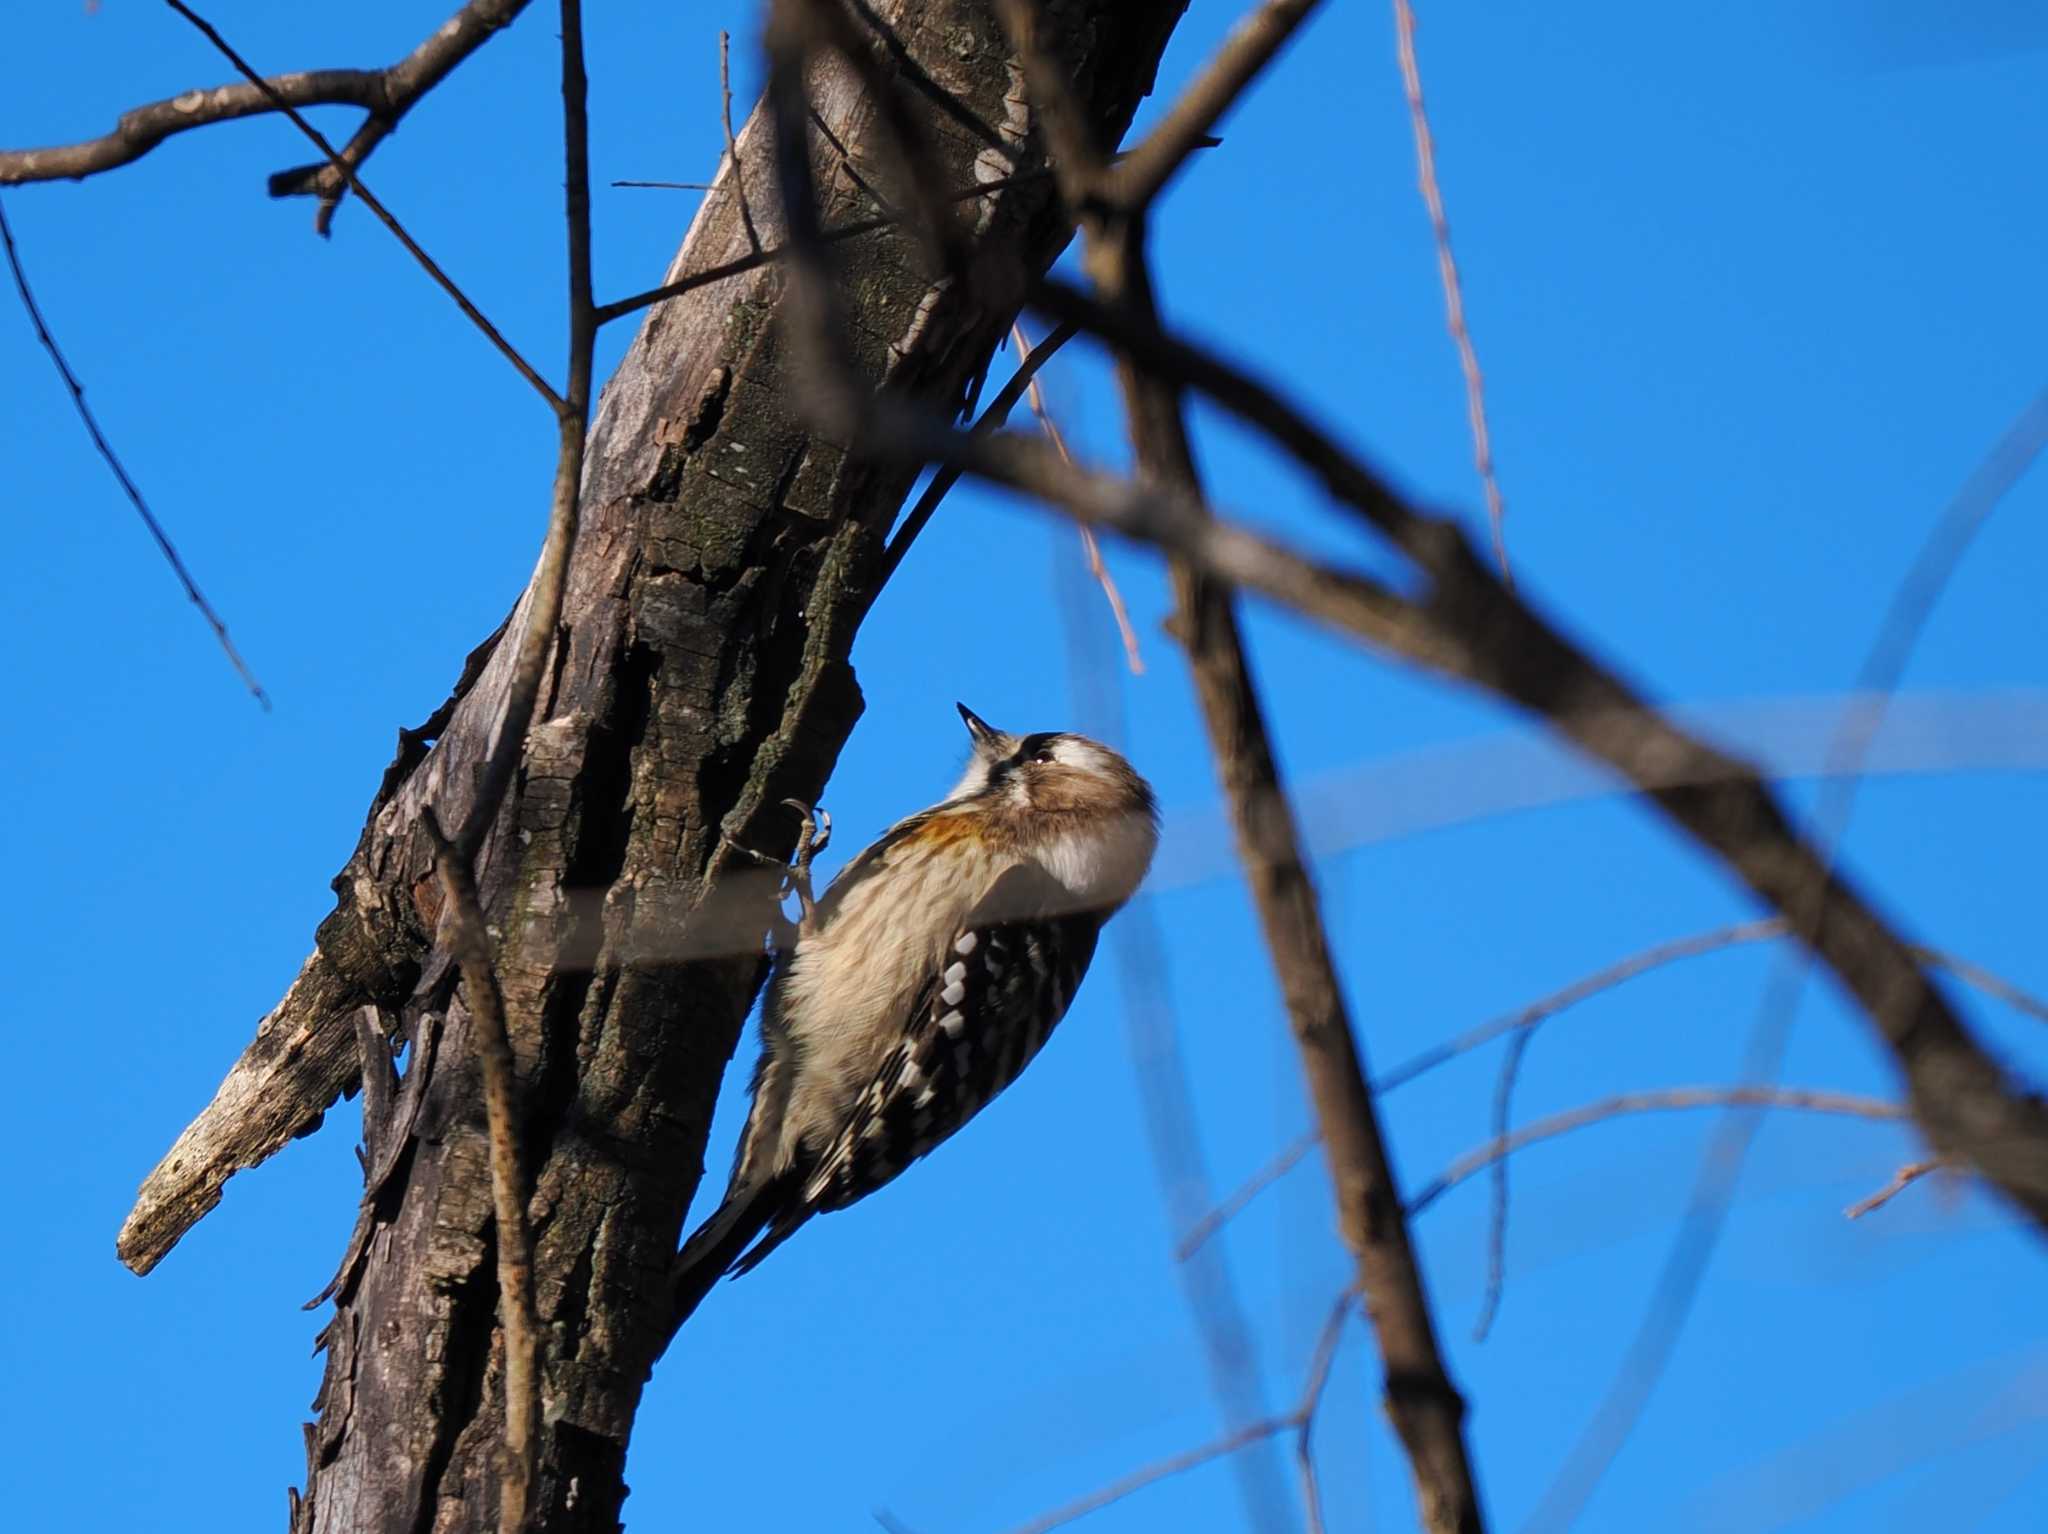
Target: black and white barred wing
(1009,976)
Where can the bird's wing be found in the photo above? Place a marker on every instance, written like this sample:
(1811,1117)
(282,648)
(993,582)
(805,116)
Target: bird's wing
(1007,978)
(1009,975)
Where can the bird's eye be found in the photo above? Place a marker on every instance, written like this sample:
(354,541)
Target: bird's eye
(1045,756)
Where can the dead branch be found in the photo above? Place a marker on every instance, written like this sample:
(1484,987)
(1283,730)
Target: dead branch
(386,95)
(169,550)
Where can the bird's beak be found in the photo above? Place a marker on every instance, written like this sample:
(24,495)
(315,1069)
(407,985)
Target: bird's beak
(983,732)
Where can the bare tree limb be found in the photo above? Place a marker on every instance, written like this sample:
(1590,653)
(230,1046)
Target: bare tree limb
(1664,1100)
(384,215)
(169,550)
(386,95)
(1425,1406)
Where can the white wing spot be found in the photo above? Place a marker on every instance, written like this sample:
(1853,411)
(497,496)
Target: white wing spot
(924,1098)
(953,994)
(909,1076)
(967,943)
(954,1024)
(956,975)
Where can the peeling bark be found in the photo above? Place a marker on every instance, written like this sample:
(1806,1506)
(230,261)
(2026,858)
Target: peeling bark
(700,676)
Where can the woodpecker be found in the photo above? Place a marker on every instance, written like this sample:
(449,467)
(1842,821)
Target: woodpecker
(924,981)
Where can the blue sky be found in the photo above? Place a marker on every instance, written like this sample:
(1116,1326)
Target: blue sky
(1754,287)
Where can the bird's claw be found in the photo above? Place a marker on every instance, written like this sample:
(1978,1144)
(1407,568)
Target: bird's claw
(810,841)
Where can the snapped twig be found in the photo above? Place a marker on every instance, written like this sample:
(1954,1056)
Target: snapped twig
(1902,1179)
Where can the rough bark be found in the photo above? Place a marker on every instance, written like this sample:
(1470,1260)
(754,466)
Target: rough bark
(700,676)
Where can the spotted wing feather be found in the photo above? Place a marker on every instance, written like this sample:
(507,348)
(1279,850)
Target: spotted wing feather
(1009,975)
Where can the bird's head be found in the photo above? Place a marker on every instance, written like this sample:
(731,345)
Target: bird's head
(1050,771)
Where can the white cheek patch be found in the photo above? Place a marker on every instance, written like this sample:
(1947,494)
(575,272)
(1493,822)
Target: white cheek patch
(1071,751)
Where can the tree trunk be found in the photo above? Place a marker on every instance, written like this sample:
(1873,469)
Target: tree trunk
(700,676)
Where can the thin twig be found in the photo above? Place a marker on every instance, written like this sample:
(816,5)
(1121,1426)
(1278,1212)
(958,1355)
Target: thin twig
(740,265)
(1524,1026)
(469,940)
(1447,274)
(113,462)
(384,214)
(1091,550)
(1902,1179)
(947,476)
(1300,1421)
(1497,1223)
(1311,1399)
(1663,1100)
(732,143)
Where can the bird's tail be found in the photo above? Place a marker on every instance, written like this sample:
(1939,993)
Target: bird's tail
(716,1246)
